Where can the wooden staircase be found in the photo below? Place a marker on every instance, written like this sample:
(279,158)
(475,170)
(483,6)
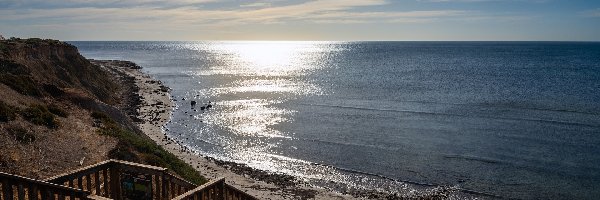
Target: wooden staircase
(116,179)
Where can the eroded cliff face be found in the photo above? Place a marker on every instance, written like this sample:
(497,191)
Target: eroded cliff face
(52,65)
(48,92)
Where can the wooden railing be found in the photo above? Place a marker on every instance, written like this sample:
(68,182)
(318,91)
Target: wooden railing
(111,180)
(215,190)
(104,179)
(232,193)
(18,187)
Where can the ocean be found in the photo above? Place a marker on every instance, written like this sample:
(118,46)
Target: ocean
(512,119)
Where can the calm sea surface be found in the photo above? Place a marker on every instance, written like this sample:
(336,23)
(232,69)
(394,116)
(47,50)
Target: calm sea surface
(515,119)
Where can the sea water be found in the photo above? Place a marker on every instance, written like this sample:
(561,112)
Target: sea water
(513,119)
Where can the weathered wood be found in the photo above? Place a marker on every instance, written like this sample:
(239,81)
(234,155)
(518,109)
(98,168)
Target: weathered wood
(61,196)
(7,189)
(84,170)
(88,181)
(97,183)
(105,182)
(164,187)
(115,182)
(156,185)
(20,191)
(105,179)
(33,192)
(80,182)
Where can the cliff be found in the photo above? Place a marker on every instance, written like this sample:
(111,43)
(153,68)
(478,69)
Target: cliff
(59,111)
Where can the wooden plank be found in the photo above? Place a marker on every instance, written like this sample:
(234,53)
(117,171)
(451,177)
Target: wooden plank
(33,191)
(171,189)
(91,168)
(20,191)
(115,182)
(105,182)
(164,186)
(80,182)
(157,187)
(88,181)
(97,183)
(61,196)
(132,164)
(7,189)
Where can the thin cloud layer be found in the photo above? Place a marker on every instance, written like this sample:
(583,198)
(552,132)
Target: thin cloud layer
(304,19)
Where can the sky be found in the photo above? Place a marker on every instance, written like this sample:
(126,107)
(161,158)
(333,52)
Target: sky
(339,20)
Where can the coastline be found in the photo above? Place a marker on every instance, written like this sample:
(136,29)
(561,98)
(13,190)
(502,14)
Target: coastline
(154,110)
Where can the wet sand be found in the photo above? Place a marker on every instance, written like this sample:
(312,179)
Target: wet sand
(155,110)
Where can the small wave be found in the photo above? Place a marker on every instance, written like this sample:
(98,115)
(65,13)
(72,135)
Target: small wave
(473,158)
(363,173)
(458,115)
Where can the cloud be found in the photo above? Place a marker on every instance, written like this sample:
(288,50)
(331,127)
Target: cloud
(57,4)
(471,1)
(186,14)
(256,4)
(189,16)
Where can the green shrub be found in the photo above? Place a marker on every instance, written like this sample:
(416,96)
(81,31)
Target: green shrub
(11,67)
(3,47)
(54,109)
(132,147)
(40,115)
(21,135)
(36,41)
(7,112)
(20,83)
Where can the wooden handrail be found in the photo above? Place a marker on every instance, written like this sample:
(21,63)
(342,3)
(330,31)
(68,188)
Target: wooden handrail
(238,193)
(201,188)
(45,189)
(83,170)
(138,165)
(179,181)
(102,181)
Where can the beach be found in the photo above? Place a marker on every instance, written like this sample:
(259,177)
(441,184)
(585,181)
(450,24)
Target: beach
(154,111)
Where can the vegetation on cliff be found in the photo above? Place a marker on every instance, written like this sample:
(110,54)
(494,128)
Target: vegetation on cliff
(57,110)
(132,147)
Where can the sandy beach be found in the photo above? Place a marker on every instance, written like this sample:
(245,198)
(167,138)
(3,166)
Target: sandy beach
(155,111)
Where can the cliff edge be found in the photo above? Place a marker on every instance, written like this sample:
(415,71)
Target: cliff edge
(59,111)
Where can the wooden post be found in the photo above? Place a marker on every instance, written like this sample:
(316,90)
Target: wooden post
(97,183)
(33,192)
(7,189)
(61,196)
(106,183)
(221,190)
(115,182)
(21,191)
(80,182)
(157,187)
(88,181)
(165,182)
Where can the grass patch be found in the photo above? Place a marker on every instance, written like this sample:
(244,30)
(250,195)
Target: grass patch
(21,134)
(11,67)
(7,112)
(20,83)
(3,48)
(54,109)
(40,115)
(132,147)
